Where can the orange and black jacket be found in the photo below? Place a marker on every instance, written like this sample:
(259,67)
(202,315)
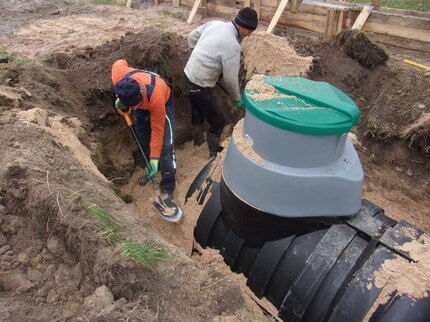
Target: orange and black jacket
(156,105)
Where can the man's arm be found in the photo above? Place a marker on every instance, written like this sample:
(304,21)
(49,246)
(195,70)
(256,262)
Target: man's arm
(194,36)
(230,72)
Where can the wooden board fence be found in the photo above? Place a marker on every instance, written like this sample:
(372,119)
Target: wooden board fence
(407,29)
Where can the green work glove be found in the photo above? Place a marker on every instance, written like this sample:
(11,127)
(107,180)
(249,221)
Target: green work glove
(153,163)
(119,105)
(239,104)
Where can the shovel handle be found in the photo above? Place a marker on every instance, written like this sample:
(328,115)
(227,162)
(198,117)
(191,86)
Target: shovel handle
(126,116)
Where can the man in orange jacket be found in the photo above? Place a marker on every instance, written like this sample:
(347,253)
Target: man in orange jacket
(151,99)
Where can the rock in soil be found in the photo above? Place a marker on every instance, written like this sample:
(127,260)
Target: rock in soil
(9,97)
(55,245)
(34,275)
(15,280)
(23,258)
(3,239)
(49,272)
(101,298)
(4,249)
(52,296)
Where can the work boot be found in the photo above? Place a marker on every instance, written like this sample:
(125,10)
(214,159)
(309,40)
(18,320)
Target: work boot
(213,144)
(197,134)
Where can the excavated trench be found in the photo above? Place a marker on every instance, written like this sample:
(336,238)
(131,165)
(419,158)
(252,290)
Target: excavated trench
(79,86)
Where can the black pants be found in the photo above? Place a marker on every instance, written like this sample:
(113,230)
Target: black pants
(168,157)
(204,107)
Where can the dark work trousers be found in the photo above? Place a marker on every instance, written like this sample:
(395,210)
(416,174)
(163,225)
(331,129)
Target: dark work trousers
(167,164)
(204,107)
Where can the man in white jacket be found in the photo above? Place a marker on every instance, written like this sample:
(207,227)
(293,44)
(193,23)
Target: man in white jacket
(216,51)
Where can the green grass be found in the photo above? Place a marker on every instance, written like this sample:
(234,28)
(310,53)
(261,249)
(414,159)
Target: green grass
(6,56)
(176,15)
(143,255)
(164,68)
(418,5)
(109,226)
(109,2)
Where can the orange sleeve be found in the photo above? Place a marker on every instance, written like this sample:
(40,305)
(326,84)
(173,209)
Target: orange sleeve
(119,69)
(158,120)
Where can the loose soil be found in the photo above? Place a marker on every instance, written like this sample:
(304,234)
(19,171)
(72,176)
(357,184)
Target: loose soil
(66,149)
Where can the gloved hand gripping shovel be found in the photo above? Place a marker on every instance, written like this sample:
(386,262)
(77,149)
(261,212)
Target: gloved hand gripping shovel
(169,210)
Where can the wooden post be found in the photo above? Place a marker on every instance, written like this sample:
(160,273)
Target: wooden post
(330,24)
(194,11)
(341,21)
(204,8)
(362,17)
(246,3)
(294,7)
(376,4)
(176,3)
(128,5)
(257,7)
(277,15)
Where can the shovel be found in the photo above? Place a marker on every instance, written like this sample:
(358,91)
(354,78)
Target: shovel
(164,204)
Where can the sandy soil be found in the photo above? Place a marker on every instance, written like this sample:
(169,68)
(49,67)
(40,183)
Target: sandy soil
(86,39)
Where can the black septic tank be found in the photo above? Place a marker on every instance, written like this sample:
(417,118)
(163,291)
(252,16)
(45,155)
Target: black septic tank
(299,231)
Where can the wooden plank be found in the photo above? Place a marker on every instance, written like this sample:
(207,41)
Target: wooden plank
(277,15)
(246,3)
(194,11)
(176,3)
(403,32)
(306,21)
(330,25)
(399,20)
(341,23)
(364,14)
(401,42)
(257,8)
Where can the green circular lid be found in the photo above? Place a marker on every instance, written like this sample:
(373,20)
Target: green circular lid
(301,105)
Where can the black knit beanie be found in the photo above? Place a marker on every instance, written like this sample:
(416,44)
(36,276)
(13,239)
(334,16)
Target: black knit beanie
(247,18)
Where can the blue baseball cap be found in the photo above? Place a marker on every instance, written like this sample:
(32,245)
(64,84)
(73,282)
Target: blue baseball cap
(129,92)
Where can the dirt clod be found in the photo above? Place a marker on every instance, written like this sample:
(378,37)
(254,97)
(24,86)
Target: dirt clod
(55,245)
(101,298)
(3,239)
(357,45)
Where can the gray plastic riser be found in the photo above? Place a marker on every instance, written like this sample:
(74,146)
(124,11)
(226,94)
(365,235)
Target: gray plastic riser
(290,148)
(329,190)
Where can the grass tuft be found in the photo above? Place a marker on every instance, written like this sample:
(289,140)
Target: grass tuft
(107,2)
(6,57)
(164,67)
(176,15)
(109,226)
(143,255)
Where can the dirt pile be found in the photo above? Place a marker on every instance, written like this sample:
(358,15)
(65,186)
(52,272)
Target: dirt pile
(272,55)
(51,249)
(357,45)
